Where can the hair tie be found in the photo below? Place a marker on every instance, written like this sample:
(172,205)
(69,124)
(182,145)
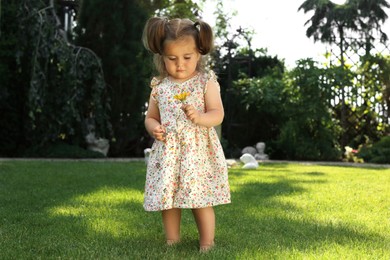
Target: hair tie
(165,21)
(196,25)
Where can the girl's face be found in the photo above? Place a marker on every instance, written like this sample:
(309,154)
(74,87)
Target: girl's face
(181,58)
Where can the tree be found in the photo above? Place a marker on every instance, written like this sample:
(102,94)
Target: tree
(371,15)
(375,70)
(309,131)
(251,86)
(178,8)
(331,23)
(327,24)
(58,88)
(12,93)
(113,30)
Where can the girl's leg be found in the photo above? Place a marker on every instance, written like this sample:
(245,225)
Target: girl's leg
(205,220)
(171,220)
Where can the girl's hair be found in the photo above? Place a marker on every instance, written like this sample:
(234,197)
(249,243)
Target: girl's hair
(159,29)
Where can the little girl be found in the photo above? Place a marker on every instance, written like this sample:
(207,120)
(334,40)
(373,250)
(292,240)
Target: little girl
(187,167)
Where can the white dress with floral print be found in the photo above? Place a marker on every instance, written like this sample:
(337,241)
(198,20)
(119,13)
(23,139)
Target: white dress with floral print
(188,170)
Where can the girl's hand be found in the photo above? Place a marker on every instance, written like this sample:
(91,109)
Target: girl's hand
(191,113)
(159,133)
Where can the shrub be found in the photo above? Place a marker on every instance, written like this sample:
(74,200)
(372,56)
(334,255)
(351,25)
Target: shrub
(61,150)
(309,132)
(378,152)
(62,93)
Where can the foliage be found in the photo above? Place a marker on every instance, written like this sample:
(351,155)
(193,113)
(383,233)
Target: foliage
(366,99)
(178,8)
(330,21)
(11,88)
(60,150)
(52,91)
(61,89)
(371,15)
(63,93)
(222,24)
(116,39)
(378,152)
(264,93)
(340,102)
(256,64)
(93,210)
(375,88)
(252,110)
(302,128)
(334,23)
(265,103)
(309,132)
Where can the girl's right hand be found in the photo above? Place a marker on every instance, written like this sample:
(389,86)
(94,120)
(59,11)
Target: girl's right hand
(159,133)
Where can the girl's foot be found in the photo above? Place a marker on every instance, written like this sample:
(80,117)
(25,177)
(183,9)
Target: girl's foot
(207,247)
(171,242)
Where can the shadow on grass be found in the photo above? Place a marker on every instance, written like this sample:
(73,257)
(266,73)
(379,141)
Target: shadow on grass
(68,209)
(268,224)
(82,210)
(94,210)
(314,173)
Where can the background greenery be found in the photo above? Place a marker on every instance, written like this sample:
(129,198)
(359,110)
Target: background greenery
(93,210)
(58,86)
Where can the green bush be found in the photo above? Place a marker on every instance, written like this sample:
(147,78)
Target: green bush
(61,150)
(255,113)
(378,152)
(302,140)
(309,132)
(57,90)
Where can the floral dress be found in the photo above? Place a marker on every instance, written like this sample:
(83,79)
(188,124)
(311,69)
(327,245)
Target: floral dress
(189,169)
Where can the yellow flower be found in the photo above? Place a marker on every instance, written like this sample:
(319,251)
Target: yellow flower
(182,96)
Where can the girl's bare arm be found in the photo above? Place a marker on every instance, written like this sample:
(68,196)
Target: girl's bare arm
(214,108)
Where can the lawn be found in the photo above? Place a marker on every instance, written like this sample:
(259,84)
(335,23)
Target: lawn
(93,210)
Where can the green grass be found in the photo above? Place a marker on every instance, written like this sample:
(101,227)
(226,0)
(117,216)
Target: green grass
(93,210)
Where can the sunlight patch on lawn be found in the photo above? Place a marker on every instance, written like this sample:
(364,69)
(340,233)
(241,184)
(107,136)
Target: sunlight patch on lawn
(112,196)
(110,211)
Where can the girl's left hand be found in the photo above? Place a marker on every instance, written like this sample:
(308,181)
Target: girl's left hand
(191,113)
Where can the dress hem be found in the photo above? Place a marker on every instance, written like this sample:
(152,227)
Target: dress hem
(185,207)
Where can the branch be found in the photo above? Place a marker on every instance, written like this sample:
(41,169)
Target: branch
(58,22)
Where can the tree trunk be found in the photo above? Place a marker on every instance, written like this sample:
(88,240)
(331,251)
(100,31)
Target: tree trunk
(343,106)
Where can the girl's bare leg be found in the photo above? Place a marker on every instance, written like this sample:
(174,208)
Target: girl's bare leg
(205,220)
(171,220)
